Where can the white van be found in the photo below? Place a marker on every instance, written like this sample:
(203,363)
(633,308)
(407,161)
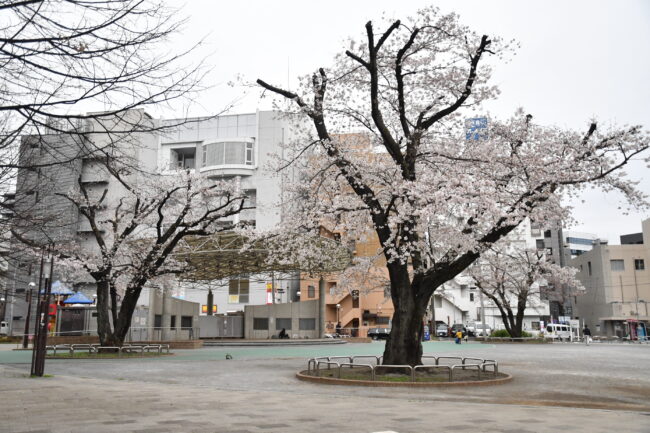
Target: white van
(556,330)
(480,329)
(4,328)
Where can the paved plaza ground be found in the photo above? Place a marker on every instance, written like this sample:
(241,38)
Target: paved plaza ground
(556,387)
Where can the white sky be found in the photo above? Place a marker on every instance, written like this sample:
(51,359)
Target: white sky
(578,60)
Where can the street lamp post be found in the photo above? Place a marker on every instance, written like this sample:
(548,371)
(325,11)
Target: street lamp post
(29,314)
(338,312)
(4,303)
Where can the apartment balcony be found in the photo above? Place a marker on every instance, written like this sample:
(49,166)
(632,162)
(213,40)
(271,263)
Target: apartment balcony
(233,157)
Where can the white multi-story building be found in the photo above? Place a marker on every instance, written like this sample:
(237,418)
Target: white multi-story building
(239,147)
(458,301)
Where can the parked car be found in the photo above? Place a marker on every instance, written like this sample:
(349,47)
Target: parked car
(4,328)
(379,333)
(559,331)
(479,330)
(458,327)
(442,331)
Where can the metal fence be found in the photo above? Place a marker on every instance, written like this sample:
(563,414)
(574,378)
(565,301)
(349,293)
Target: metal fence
(315,366)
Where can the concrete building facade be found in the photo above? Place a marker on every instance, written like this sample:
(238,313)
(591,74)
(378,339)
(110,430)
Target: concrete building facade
(617,284)
(237,147)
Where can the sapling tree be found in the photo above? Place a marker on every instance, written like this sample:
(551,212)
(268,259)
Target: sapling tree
(516,279)
(434,200)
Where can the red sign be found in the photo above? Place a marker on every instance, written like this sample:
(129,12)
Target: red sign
(52,310)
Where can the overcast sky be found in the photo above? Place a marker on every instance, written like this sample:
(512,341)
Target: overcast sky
(578,60)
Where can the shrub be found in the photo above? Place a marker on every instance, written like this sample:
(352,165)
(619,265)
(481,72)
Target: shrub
(502,333)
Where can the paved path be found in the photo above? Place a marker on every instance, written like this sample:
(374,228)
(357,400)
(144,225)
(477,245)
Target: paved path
(256,392)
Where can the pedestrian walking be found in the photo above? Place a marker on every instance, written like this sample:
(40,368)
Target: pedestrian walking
(587,333)
(459,336)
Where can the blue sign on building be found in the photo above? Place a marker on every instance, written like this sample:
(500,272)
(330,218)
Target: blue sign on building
(476,128)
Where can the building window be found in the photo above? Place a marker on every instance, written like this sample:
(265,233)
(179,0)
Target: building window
(307,324)
(204,157)
(589,268)
(471,297)
(539,244)
(617,265)
(186,322)
(260,323)
(227,152)
(183,158)
(639,264)
(311,292)
(157,321)
(238,291)
(355,299)
(282,323)
(580,241)
(382,320)
(173,322)
(249,153)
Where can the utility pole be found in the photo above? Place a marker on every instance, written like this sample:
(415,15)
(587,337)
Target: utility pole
(483,329)
(636,288)
(38,357)
(4,304)
(29,313)
(433,314)
(39,313)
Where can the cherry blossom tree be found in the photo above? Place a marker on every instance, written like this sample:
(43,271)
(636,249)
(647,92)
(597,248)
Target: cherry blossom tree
(514,278)
(134,242)
(385,148)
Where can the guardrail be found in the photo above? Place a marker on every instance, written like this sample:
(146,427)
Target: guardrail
(96,348)
(482,366)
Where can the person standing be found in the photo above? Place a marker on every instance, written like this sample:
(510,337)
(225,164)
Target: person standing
(459,336)
(587,333)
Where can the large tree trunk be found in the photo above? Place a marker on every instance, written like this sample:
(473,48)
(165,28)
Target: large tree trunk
(404,344)
(517,329)
(104,328)
(113,328)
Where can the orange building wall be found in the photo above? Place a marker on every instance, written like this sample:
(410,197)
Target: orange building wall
(371,300)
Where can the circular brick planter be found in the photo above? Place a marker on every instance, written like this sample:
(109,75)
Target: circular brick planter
(302,375)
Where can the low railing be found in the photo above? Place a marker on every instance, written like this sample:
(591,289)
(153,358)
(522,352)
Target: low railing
(96,348)
(329,363)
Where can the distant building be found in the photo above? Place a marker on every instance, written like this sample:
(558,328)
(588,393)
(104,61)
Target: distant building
(617,284)
(563,245)
(632,239)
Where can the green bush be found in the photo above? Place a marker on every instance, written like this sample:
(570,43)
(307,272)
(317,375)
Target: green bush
(502,333)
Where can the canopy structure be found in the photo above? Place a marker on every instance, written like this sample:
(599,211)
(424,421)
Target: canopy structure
(78,298)
(226,254)
(58,288)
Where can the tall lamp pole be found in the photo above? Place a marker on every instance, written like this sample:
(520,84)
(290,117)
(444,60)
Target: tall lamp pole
(29,314)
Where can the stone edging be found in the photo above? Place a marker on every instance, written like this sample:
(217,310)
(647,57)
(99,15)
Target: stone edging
(336,381)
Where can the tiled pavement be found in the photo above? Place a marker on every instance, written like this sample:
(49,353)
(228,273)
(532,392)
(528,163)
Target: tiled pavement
(64,404)
(260,395)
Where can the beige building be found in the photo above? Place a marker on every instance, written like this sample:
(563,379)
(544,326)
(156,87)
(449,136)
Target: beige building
(617,283)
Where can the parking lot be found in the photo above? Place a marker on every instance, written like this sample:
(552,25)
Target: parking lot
(568,387)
